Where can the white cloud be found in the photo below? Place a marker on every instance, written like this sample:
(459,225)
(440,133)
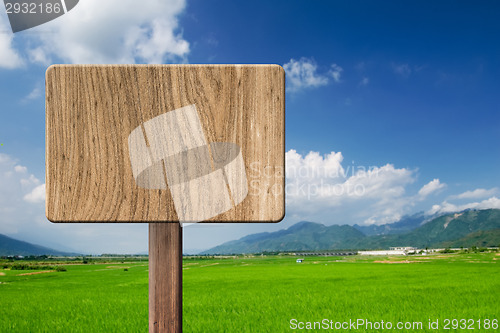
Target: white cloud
(476,194)
(447,207)
(402,69)
(320,188)
(9,57)
(22,216)
(30,181)
(323,188)
(34,94)
(335,72)
(360,66)
(20,169)
(303,73)
(15,182)
(364,81)
(113,31)
(432,186)
(36,195)
(38,55)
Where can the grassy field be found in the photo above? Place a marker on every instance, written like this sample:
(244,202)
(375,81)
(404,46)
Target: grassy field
(260,294)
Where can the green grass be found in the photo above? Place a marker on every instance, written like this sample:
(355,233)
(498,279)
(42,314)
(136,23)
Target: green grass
(260,294)
(85,298)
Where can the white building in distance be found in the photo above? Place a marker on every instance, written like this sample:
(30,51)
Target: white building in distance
(396,250)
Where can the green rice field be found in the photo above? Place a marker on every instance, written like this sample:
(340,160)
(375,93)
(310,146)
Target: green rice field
(263,294)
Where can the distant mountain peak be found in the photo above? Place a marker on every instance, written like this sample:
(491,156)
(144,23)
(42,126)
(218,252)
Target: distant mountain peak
(13,247)
(305,224)
(471,227)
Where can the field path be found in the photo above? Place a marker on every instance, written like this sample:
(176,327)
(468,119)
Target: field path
(34,273)
(210,264)
(393,262)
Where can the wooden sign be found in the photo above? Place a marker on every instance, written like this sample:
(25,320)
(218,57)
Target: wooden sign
(156,143)
(166,143)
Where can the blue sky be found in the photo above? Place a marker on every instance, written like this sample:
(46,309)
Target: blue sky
(408,90)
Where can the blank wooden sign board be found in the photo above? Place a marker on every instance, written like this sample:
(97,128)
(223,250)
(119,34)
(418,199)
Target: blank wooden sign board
(165,143)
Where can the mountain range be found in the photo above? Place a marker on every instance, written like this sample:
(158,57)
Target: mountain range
(468,228)
(13,247)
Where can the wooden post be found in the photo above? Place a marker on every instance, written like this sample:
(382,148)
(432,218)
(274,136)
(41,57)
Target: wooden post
(165,277)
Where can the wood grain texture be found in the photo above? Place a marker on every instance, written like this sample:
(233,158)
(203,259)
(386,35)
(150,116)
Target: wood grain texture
(165,277)
(91,111)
